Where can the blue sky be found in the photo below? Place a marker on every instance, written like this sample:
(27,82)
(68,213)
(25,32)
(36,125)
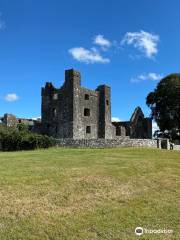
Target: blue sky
(126,44)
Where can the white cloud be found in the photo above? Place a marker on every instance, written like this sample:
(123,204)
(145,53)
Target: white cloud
(115,119)
(148,76)
(36,118)
(154,127)
(11,97)
(101,41)
(145,42)
(87,56)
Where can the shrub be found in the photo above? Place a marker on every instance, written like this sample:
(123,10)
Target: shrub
(13,139)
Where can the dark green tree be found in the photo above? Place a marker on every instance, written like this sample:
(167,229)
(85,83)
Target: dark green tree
(164,103)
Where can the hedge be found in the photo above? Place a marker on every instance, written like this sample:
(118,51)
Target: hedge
(12,139)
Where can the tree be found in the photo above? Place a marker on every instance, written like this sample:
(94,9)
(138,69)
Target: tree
(22,127)
(164,103)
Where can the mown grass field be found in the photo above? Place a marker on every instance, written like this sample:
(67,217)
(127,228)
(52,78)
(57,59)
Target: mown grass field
(78,194)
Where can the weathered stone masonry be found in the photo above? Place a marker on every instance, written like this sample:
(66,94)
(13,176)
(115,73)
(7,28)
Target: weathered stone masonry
(79,113)
(104,143)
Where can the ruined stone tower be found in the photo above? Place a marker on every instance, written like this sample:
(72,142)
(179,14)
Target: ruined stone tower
(76,112)
(105,125)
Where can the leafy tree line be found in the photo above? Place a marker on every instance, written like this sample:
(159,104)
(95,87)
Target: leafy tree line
(19,138)
(164,103)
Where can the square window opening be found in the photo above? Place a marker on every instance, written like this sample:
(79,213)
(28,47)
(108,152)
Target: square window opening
(86,112)
(54,112)
(88,129)
(86,96)
(55,96)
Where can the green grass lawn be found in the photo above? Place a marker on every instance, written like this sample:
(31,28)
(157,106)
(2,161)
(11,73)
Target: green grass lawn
(68,194)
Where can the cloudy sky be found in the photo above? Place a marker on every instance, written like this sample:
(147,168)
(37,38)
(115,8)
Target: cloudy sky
(127,44)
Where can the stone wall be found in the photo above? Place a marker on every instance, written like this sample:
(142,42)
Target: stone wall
(85,99)
(137,127)
(57,110)
(106,129)
(104,143)
(9,120)
(176,147)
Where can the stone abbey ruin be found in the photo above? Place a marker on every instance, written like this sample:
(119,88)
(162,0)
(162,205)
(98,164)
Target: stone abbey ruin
(75,112)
